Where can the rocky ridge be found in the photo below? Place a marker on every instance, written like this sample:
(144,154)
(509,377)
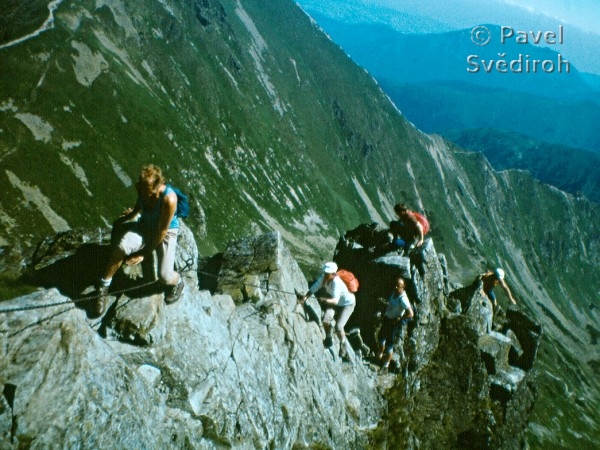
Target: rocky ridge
(245,367)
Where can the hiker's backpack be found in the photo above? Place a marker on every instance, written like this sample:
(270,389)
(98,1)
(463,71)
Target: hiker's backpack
(423,221)
(349,280)
(183,205)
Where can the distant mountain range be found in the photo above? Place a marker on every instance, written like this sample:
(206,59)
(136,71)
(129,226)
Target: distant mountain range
(570,169)
(442,57)
(429,78)
(582,46)
(446,107)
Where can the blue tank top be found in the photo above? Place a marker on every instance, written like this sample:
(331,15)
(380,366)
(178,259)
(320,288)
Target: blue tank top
(150,217)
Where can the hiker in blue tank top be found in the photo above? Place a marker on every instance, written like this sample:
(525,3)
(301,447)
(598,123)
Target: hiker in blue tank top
(398,313)
(156,229)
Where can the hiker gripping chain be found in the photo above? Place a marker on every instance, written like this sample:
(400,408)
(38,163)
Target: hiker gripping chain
(338,305)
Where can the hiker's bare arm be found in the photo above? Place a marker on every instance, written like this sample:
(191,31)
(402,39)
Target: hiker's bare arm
(167,211)
(328,301)
(421,235)
(407,314)
(134,259)
(128,214)
(508,292)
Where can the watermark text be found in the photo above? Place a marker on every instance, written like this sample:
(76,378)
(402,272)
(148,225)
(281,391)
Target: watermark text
(519,63)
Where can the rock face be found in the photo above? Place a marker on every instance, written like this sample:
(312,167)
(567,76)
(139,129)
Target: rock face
(246,368)
(258,269)
(201,373)
(463,385)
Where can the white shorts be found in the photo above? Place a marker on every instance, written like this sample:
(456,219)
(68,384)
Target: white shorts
(132,242)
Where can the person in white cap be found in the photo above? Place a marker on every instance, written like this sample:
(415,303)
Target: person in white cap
(338,305)
(490,280)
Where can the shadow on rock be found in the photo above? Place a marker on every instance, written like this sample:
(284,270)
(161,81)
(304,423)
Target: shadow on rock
(72,274)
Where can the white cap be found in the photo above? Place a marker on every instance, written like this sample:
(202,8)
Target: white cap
(330,267)
(499,273)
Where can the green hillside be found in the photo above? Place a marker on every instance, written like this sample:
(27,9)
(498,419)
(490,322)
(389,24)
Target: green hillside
(267,124)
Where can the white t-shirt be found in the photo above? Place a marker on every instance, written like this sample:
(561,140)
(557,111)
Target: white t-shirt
(336,288)
(397,304)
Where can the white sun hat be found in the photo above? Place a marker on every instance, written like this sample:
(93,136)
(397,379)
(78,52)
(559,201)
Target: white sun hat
(330,267)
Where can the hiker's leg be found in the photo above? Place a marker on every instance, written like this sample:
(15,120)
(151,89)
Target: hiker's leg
(131,242)
(166,258)
(115,260)
(342,318)
(384,335)
(327,319)
(492,298)
(392,332)
(381,349)
(389,355)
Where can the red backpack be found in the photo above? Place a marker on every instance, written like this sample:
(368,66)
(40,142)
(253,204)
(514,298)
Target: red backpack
(423,221)
(349,279)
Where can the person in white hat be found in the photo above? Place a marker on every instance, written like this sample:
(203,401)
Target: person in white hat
(490,280)
(338,305)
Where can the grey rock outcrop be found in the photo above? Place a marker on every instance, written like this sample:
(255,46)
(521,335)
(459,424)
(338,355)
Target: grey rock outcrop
(363,251)
(214,374)
(260,269)
(246,367)
(463,385)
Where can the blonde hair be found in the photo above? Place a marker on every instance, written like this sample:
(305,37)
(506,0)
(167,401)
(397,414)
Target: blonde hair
(152,176)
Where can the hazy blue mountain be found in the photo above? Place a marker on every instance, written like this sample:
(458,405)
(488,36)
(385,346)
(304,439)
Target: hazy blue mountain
(427,76)
(448,106)
(268,125)
(581,46)
(426,58)
(570,169)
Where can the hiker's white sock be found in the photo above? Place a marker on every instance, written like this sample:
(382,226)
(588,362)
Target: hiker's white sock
(105,283)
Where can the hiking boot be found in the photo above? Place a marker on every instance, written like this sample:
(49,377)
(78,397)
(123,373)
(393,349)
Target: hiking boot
(344,354)
(328,342)
(101,301)
(173,293)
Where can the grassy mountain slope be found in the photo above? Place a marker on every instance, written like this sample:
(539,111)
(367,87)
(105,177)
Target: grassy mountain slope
(254,112)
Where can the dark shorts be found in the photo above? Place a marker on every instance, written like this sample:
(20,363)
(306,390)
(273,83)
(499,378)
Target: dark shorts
(390,332)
